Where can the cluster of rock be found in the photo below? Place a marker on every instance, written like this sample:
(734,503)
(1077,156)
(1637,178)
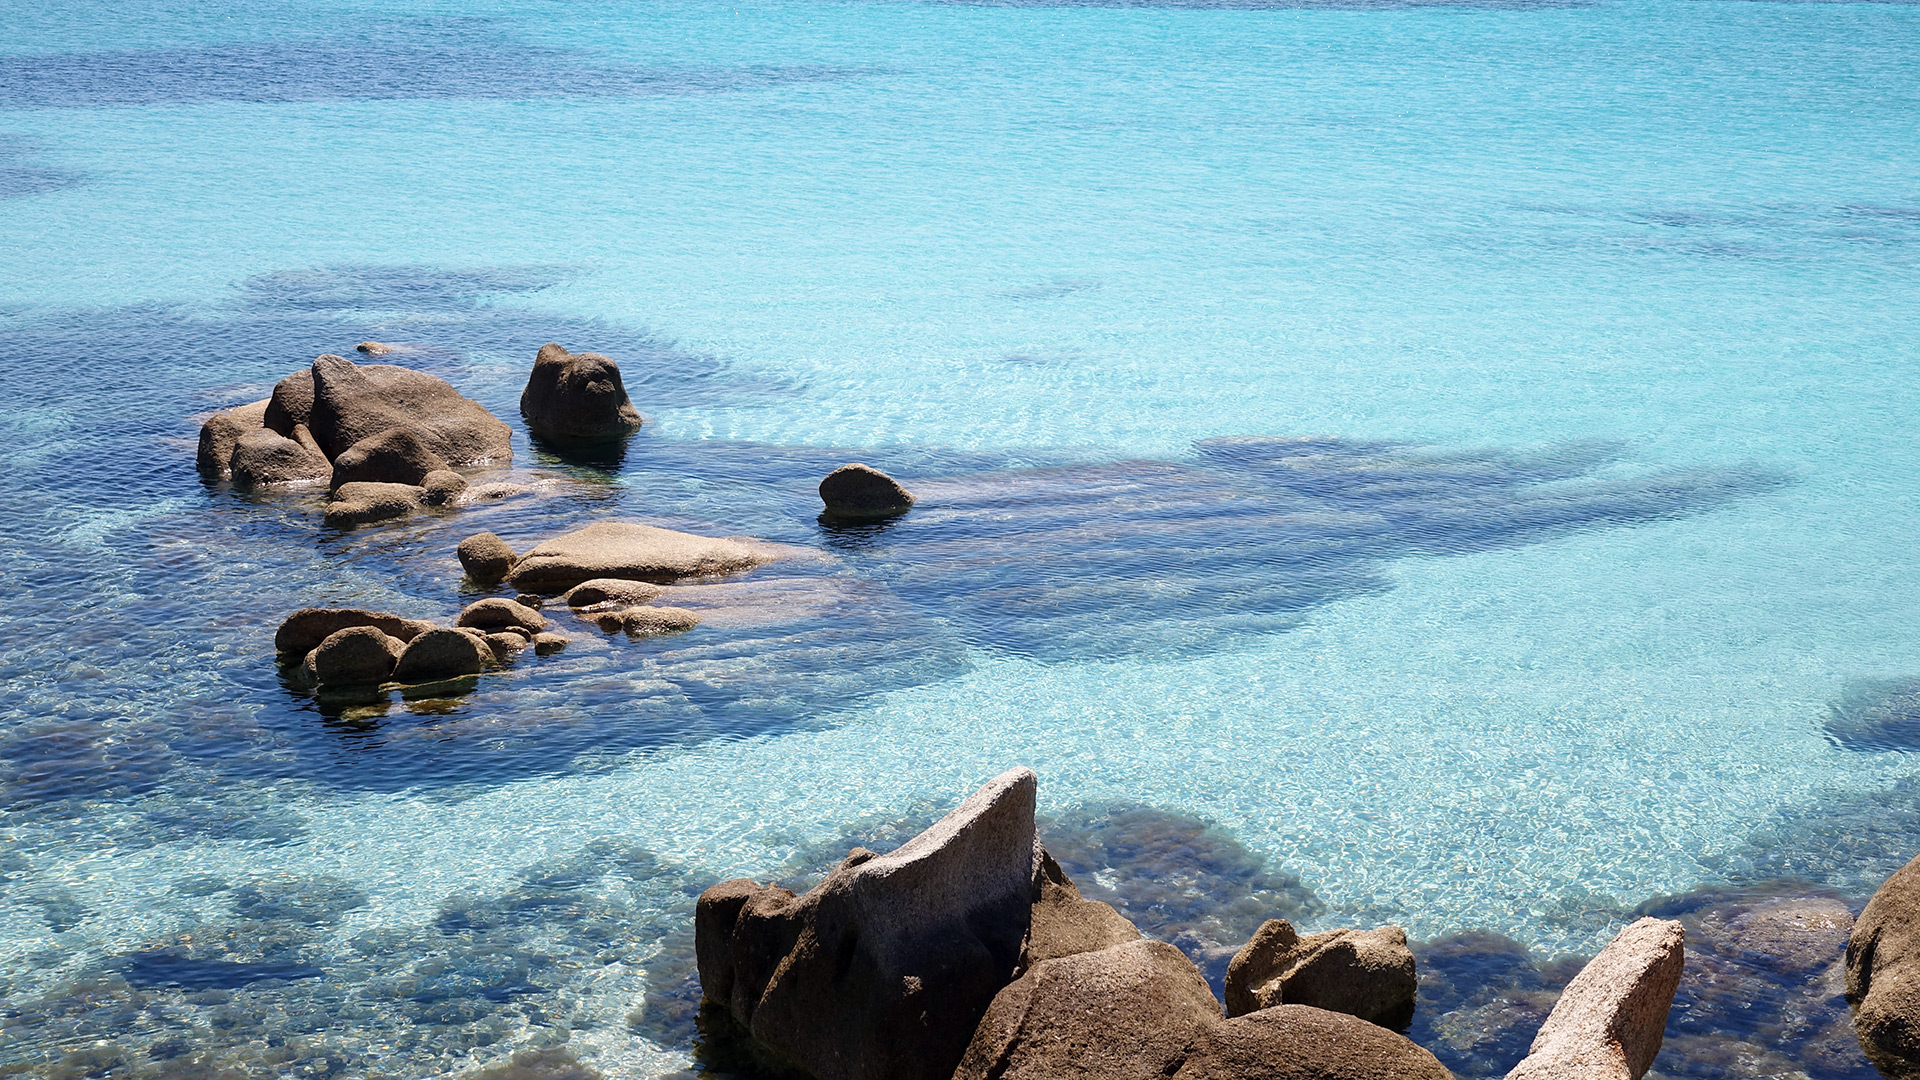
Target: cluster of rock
(968,954)
(353,649)
(1883,975)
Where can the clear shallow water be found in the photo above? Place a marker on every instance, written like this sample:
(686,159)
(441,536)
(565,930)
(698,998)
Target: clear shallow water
(1603,313)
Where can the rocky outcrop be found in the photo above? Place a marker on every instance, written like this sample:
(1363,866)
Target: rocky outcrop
(263,458)
(883,970)
(343,402)
(621,549)
(397,455)
(486,558)
(1610,1020)
(304,630)
(362,503)
(356,656)
(1883,975)
(441,654)
(499,613)
(1064,923)
(1364,973)
(576,397)
(858,492)
(1297,1042)
(221,433)
(1132,1011)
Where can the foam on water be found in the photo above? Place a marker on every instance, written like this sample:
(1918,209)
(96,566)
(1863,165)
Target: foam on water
(1453,459)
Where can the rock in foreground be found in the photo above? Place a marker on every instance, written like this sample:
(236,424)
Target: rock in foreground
(622,549)
(882,971)
(1883,975)
(576,397)
(1364,973)
(859,492)
(1610,1020)
(1296,1042)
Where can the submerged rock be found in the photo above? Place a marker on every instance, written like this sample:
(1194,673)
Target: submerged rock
(365,503)
(1878,717)
(304,630)
(441,654)
(1298,1042)
(397,455)
(221,433)
(358,655)
(623,549)
(576,397)
(486,558)
(263,458)
(1611,1018)
(1364,973)
(882,971)
(442,487)
(859,492)
(373,348)
(1883,975)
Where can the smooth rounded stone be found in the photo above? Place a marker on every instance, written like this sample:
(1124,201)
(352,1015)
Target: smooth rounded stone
(548,644)
(443,654)
(442,487)
(497,612)
(486,558)
(373,348)
(1125,1012)
(1610,1020)
(576,397)
(505,645)
(222,432)
(264,458)
(1065,924)
(624,549)
(654,621)
(362,503)
(1299,1042)
(1883,975)
(397,455)
(530,600)
(1364,973)
(883,970)
(304,630)
(347,402)
(860,492)
(358,655)
(612,591)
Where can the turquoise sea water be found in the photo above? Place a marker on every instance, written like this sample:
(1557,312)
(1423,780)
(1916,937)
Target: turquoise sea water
(1602,316)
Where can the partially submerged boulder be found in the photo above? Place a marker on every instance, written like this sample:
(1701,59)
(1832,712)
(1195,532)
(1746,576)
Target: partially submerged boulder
(624,549)
(1298,1042)
(654,621)
(486,558)
(263,458)
(442,487)
(343,402)
(1611,1019)
(1883,975)
(576,397)
(1132,1011)
(362,503)
(883,970)
(441,654)
(1364,973)
(499,613)
(549,643)
(858,492)
(304,630)
(397,455)
(619,591)
(221,433)
(356,656)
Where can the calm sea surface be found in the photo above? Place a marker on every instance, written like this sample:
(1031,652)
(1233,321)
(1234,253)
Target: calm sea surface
(1460,455)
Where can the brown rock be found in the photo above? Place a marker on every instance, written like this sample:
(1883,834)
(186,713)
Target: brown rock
(291,403)
(621,549)
(498,613)
(361,504)
(486,558)
(222,432)
(653,621)
(1064,923)
(304,630)
(263,458)
(530,600)
(1126,1012)
(345,402)
(1364,973)
(858,492)
(397,455)
(882,971)
(505,644)
(1297,1042)
(358,655)
(443,654)
(442,487)
(548,644)
(1611,1018)
(576,397)
(612,591)
(373,348)
(1883,975)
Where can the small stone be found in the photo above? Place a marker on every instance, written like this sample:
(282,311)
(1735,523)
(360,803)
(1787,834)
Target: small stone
(859,492)
(1066,924)
(1297,1042)
(442,487)
(486,557)
(356,656)
(497,613)
(548,644)
(623,549)
(530,600)
(364,503)
(654,621)
(443,654)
